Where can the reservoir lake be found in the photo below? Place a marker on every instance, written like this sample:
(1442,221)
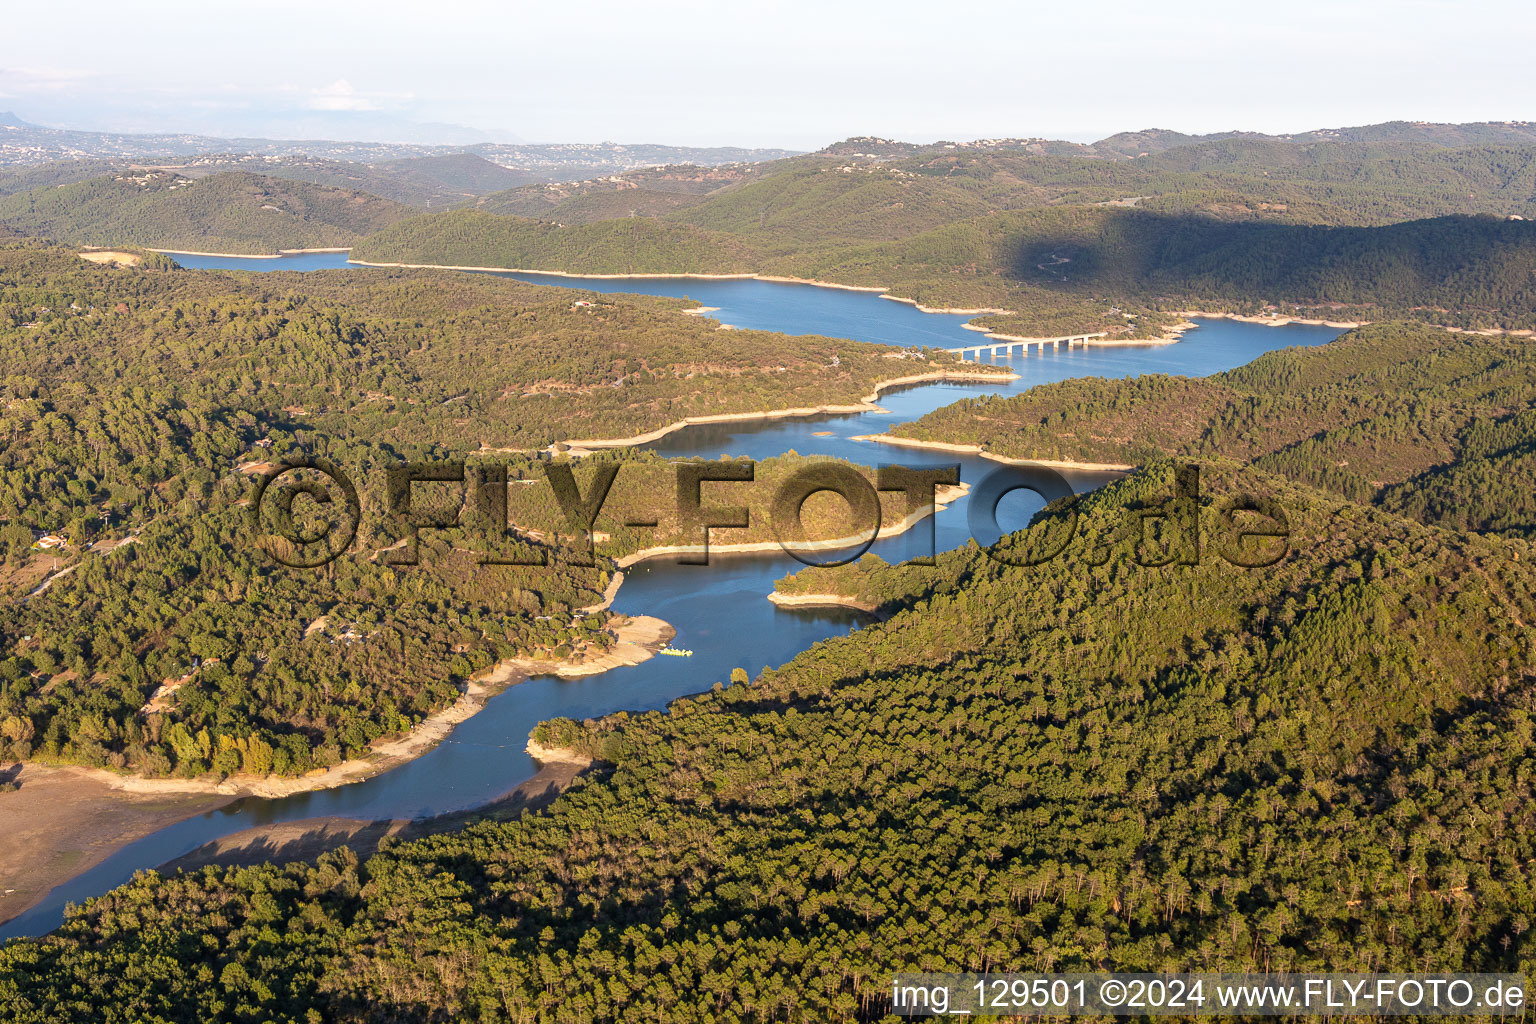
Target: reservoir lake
(720,611)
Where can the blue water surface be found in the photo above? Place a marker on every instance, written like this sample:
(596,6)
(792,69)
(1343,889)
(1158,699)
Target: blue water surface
(720,611)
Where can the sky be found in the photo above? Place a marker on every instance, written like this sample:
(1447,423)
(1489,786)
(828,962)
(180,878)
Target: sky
(795,75)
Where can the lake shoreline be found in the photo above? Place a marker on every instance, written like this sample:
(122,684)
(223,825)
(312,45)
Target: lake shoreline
(945,496)
(246,255)
(866,404)
(139,806)
(197,796)
(307,838)
(972,449)
(1279,320)
(65,820)
(821,601)
(880,290)
(636,640)
(1173,334)
(1168,337)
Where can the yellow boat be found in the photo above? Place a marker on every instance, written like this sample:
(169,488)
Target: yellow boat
(675,652)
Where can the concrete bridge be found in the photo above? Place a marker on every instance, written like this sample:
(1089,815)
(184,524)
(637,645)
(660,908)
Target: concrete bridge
(1004,346)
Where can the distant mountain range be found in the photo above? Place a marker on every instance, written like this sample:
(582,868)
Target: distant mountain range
(23,143)
(1131,145)
(1006,223)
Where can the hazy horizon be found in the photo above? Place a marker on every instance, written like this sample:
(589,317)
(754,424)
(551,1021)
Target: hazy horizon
(509,139)
(798,76)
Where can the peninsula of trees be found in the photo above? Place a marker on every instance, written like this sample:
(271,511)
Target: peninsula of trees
(139,404)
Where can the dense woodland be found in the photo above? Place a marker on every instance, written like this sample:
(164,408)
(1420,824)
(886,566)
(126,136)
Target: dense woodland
(1404,221)
(123,387)
(646,192)
(1363,228)
(787,499)
(1323,763)
(143,404)
(1087,763)
(233,212)
(1430,423)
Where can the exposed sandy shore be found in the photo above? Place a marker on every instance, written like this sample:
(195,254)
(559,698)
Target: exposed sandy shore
(955,310)
(866,404)
(76,817)
(781,279)
(972,449)
(126,259)
(819,601)
(944,495)
(1275,321)
(1177,331)
(66,820)
(555,755)
(557,273)
(639,638)
(609,593)
(1490,332)
(1281,321)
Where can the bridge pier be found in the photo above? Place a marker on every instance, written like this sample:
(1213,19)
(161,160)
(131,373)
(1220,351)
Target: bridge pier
(1005,348)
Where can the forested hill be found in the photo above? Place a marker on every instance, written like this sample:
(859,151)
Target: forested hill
(837,196)
(635,245)
(229,212)
(651,191)
(1068,242)
(435,182)
(406,358)
(1323,764)
(141,402)
(62,172)
(1462,271)
(1416,134)
(467,171)
(1475,266)
(1133,145)
(1431,423)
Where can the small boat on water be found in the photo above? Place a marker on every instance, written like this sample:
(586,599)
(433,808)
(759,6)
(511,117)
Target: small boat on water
(675,652)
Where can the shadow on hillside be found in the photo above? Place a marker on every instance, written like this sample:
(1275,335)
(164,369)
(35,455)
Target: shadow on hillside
(307,839)
(1445,261)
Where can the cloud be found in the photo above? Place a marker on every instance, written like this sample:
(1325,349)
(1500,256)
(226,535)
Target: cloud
(340,95)
(43,80)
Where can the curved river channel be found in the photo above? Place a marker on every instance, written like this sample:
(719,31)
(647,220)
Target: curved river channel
(720,611)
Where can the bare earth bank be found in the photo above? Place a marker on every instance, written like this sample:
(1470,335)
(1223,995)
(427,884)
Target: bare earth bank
(65,820)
